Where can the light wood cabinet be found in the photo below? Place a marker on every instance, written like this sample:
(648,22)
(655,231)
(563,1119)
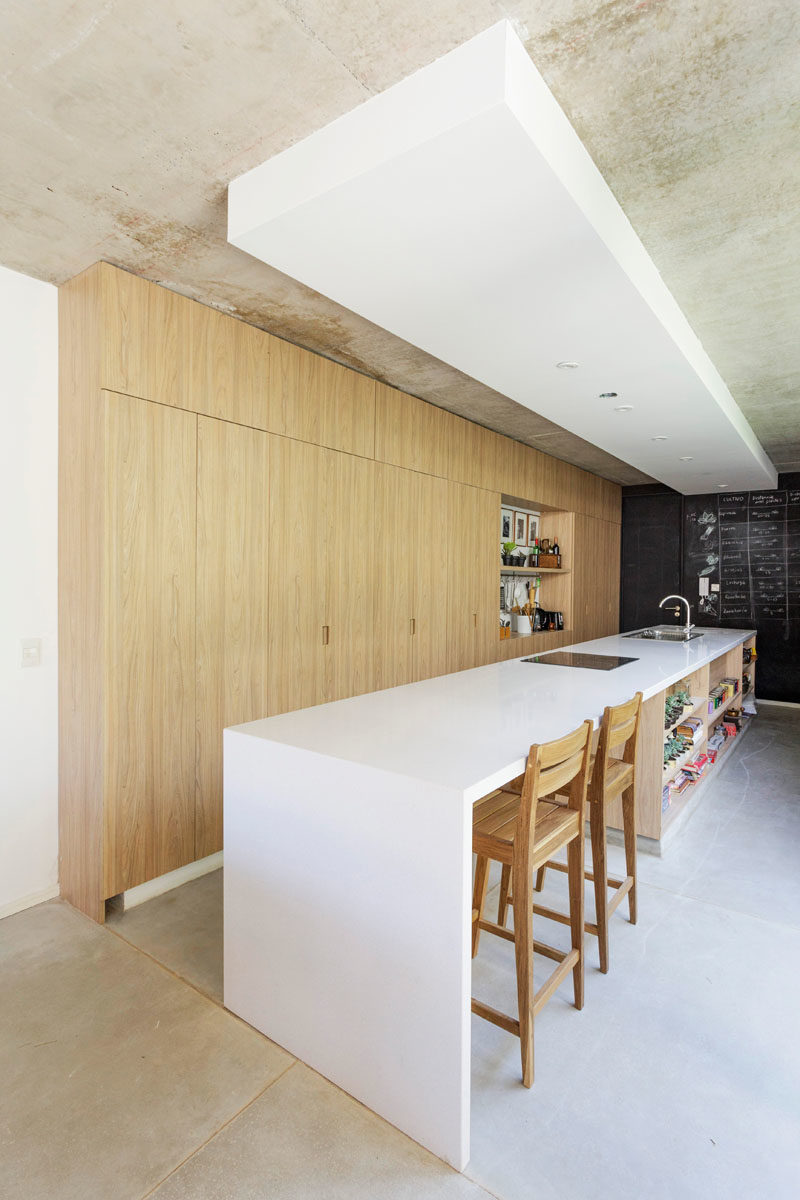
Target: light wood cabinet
(430,591)
(319,401)
(345,556)
(393,607)
(410,433)
(410,607)
(473,583)
(247,528)
(150,530)
(298,581)
(320,575)
(595,577)
(232,643)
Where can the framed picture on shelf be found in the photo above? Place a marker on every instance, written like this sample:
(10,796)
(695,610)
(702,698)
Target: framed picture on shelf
(521,528)
(533,528)
(506,525)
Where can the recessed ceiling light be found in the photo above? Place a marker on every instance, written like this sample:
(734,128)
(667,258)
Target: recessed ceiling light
(624,408)
(687,458)
(661,437)
(567,366)
(608,395)
(723,485)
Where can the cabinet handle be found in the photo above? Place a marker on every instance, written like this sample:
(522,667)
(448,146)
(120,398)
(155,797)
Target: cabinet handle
(413,626)
(325,634)
(475,620)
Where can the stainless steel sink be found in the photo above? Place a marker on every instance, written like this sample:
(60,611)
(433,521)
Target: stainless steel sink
(665,633)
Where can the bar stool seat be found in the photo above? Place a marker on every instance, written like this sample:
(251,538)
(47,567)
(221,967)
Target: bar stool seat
(522,830)
(494,824)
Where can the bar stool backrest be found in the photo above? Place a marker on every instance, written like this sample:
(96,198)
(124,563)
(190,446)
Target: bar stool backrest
(559,766)
(620,727)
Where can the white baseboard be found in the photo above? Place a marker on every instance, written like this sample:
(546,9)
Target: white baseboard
(779,703)
(166,883)
(23,902)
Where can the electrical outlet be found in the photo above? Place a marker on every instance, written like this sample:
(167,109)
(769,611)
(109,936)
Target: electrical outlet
(31,652)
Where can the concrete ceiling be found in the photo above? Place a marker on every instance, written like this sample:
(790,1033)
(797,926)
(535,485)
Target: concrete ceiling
(122,124)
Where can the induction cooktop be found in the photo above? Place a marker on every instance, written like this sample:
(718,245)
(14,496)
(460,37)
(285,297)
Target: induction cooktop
(573,658)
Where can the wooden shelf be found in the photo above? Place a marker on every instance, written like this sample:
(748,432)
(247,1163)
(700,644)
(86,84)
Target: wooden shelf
(688,757)
(534,570)
(723,708)
(669,814)
(534,633)
(698,702)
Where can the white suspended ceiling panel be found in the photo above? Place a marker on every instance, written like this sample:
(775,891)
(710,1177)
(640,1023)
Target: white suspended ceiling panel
(460,211)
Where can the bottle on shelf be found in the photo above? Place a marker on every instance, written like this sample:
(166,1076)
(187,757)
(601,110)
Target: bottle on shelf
(535,552)
(557,551)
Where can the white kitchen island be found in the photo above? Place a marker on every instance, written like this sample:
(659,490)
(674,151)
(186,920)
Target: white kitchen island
(348,866)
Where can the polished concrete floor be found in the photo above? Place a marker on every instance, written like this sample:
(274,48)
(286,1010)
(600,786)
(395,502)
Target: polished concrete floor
(123,1077)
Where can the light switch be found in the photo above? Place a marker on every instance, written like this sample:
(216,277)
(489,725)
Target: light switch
(31,652)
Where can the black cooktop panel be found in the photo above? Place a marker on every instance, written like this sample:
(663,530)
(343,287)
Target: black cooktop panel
(573,658)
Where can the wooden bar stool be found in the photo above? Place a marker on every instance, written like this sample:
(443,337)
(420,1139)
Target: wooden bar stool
(611,777)
(521,831)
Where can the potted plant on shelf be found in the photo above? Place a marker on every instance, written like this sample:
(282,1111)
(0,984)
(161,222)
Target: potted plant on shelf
(508,553)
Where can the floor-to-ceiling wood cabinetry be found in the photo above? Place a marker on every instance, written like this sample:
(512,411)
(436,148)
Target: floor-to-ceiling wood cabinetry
(247,528)
(596,576)
(232,631)
(320,575)
(411,580)
(149,721)
(473,597)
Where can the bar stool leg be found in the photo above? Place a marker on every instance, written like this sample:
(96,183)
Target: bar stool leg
(575,869)
(479,897)
(505,885)
(600,871)
(537,887)
(629,830)
(522,885)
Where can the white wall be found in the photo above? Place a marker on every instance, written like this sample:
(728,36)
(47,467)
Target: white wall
(28,590)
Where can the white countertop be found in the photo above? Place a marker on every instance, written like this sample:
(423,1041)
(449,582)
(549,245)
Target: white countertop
(472,730)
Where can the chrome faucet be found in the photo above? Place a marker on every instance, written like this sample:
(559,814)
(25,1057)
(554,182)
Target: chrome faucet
(688,627)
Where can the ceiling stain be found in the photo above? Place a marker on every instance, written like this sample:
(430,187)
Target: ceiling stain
(122,149)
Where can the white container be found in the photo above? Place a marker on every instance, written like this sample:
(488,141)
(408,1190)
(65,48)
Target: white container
(520,623)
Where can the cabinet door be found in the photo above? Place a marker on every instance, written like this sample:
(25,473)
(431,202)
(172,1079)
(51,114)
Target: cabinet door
(299,513)
(596,577)
(232,590)
(347,560)
(429,569)
(473,576)
(486,574)
(150,523)
(393,609)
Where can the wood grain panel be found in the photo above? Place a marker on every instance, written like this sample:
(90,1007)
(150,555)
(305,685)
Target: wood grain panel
(298,574)
(80,594)
(228,368)
(473,580)
(596,577)
(349,565)
(147,339)
(473,453)
(319,401)
(410,433)
(232,603)
(150,530)
(395,558)
(430,598)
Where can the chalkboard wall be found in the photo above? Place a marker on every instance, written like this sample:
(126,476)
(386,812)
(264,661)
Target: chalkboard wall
(736,559)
